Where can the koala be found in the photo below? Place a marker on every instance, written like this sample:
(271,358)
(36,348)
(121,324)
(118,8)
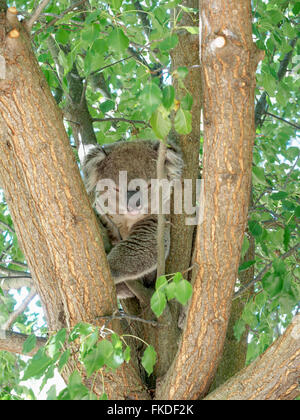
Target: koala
(132,227)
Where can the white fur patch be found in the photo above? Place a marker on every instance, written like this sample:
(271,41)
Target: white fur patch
(83,150)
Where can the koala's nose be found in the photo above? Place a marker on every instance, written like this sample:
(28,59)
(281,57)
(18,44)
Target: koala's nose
(135,203)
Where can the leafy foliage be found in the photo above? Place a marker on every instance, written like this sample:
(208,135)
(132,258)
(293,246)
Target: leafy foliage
(98,349)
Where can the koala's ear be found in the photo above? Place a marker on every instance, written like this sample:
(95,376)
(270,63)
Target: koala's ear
(83,151)
(173,163)
(90,157)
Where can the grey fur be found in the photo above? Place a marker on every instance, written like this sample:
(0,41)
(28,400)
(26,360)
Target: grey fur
(134,256)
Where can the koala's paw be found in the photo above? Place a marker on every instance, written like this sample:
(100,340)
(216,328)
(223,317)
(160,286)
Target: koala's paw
(123,292)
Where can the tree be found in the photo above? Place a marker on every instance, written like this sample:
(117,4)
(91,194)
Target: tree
(131,69)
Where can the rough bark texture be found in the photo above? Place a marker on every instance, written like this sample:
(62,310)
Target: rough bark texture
(55,224)
(229,60)
(186,54)
(274,375)
(235,352)
(13,342)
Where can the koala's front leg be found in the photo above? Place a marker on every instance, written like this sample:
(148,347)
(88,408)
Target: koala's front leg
(136,256)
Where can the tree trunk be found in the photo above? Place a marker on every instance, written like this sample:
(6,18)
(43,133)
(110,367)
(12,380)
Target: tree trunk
(186,54)
(229,59)
(274,375)
(55,224)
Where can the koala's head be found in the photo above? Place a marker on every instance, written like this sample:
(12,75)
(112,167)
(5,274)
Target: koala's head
(135,161)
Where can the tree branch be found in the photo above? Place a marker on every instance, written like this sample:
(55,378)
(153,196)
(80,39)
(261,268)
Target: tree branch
(282,119)
(120,119)
(227,162)
(14,315)
(277,372)
(53,21)
(5,226)
(13,342)
(36,14)
(261,105)
(16,282)
(161,220)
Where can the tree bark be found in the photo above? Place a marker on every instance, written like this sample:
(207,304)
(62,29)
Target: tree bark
(13,342)
(54,221)
(274,375)
(229,59)
(186,54)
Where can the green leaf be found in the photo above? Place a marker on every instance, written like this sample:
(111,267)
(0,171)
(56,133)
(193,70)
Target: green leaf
(115,4)
(117,40)
(245,246)
(259,175)
(81,329)
(194,30)
(161,282)
(183,121)
(151,97)
(168,43)
(62,36)
(29,344)
(107,106)
(281,195)
(90,33)
(127,355)
(296,8)
(63,359)
(255,228)
(269,83)
(279,266)
(149,359)
(177,278)
(51,394)
(160,123)
(56,342)
(272,284)
(158,303)
(75,387)
(168,96)
(183,291)
(246,265)
(187,102)
(170,290)
(239,329)
(182,72)
(98,356)
(286,238)
(37,365)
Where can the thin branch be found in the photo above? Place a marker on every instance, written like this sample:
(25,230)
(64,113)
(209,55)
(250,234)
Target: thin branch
(282,119)
(53,21)
(265,270)
(8,283)
(122,316)
(120,119)
(110,65)
(261,105)
(290,172)
(143,16)
(14,315)
(10,272)
(36,14)
(6,227)
(161,220)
